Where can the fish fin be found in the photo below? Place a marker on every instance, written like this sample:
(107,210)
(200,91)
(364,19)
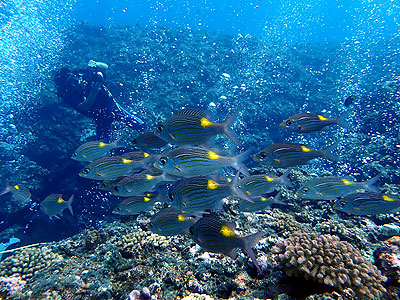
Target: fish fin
(341,120)
(69,202)
(238,162)
(228,131)
(119,142)
(232,254)
(249,242)
(236,190)
(193,112)
(369,184)
(277,199)
(5,188)
(327,152)
(284,179)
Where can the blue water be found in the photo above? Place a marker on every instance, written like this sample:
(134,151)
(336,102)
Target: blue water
(363,37)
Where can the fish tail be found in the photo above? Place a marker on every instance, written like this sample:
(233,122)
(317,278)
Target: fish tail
(327,153)
(284,179)
(249,242)
(277,199)
(228,131)
(5,188)
(119,142)
(237,191)
(238,162)
(341,120)
(69,202)
(369,184)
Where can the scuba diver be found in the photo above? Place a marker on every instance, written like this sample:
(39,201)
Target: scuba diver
(85,92)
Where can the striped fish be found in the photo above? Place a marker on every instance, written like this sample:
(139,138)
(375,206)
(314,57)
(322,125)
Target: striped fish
(260,204)
(194,161)
(136,204)
(108,185)
(109,168)
(148,141)
(196,195)
(284,155)
(257,185)
(192,127)
(362,204)
(218,236)
(54,205)
(138,184)
(311,122)
(330,188)
(91,151)
(20,194)
(170,221)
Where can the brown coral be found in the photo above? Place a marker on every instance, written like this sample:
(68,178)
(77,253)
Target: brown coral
(326,259)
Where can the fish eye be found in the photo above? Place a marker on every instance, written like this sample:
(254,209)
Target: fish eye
(262,155)
(85,171)
(75,154)
(171,197)
(305,190)
(116,188)
(288,122)
(341,203)
(117,208)
(162,161)
(160,128)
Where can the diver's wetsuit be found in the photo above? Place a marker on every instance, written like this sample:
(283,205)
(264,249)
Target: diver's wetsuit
(104,109)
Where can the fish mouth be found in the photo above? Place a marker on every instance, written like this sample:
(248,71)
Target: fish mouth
(335,206)
(256,158)
(282,125)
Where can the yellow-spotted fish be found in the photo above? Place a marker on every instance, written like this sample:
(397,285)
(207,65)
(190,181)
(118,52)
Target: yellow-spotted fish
(284,155)
(362,204)
(218,236)
(192,127)
(19,193)
(91,151)
(148,141)
(110,168)
(260,204)
(170,221)
(54,205)
(136,204)
(311,122)
(330,188)
(194,161)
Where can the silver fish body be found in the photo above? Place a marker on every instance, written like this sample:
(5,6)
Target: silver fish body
(362,204)
(148,141)
(91,151)
(170,221)
(54,205)
(136,204)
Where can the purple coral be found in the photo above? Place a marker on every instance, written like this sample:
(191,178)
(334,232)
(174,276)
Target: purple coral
(326,259)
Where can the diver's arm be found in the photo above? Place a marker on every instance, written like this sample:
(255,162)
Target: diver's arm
(88,102)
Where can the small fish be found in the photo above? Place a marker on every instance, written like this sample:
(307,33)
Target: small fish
(196,195)
(330,188)
(218,236)
(193,161)
(53,205)
(136,204)
(257,185)
(91,151)
(148,141)
(362,204)
(192,127)
(311,122)
(110,168)
(139,184)
(19,193)
(170,221)
(260,204)
(349,100)
(284,155)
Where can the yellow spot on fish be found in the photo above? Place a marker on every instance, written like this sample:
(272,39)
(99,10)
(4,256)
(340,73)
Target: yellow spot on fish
(146,199)
(248,193)
(263,199)
(101,144)
(149,177)
(229,180)
(277,160)
(356,208)
(172,136)
(305,149)
(181,218)
(60,200)
(98,174)
(388,199)
(269,179)
(213,155)
(205,122)
(146,154)
(16,187)
(226,231)
(319,194)
(149,195)
(178,168)
(126,161)
(347,182)
(322,118)
(212,185)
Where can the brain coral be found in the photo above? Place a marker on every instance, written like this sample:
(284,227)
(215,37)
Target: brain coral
(326,259)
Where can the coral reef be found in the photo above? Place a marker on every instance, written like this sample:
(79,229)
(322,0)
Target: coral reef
(326,259)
